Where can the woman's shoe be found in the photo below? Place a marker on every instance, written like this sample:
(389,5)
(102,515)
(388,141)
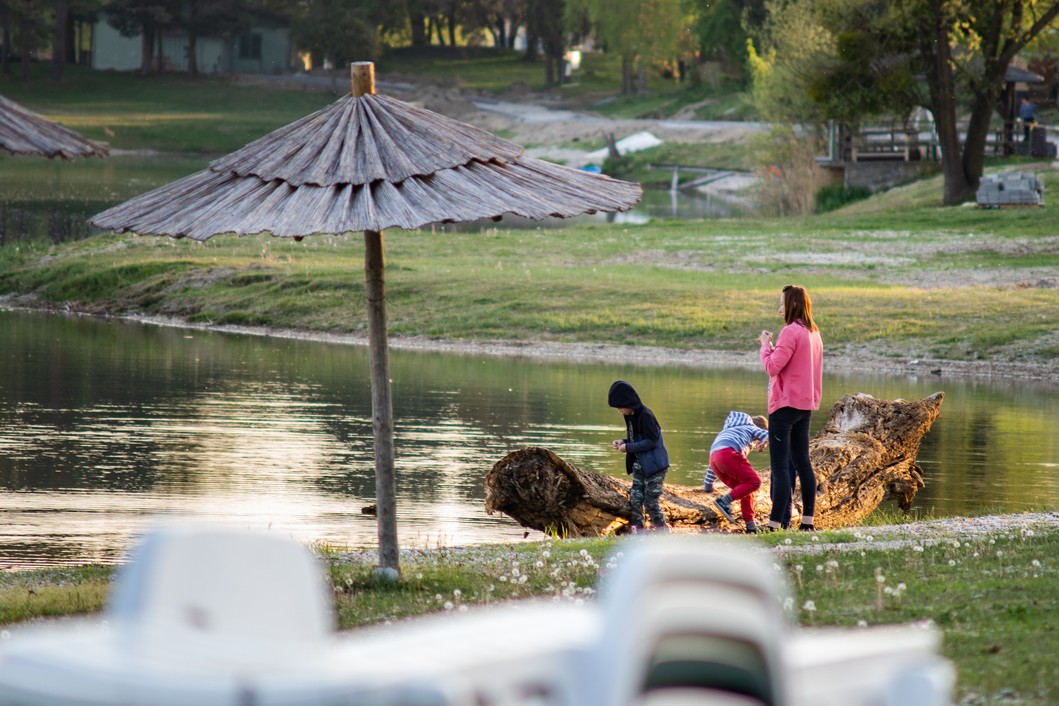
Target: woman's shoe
(806,528)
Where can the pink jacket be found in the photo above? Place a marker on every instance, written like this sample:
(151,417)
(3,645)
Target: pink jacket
(795,368)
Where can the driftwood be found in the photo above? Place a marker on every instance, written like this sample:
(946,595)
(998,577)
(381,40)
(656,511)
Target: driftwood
(865,454)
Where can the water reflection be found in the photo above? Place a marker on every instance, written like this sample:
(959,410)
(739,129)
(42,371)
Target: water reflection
(105,424)
(45,202)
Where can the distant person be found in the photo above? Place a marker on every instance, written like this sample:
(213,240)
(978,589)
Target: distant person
(740,435)
(1028,116)
(646,457)
(795,369)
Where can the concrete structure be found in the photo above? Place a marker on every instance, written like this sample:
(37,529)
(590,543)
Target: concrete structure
(1010,189)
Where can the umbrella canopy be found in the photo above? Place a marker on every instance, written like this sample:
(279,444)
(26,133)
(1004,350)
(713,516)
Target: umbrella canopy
(24,132)
(367,162)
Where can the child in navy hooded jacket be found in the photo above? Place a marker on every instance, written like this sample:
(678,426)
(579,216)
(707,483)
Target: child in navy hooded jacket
(646,457)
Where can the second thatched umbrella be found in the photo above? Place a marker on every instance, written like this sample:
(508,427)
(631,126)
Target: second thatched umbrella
(24,132)
(367,162)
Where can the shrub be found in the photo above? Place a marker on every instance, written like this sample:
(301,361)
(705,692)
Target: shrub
(835,196)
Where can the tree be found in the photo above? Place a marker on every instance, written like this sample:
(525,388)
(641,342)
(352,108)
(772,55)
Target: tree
(146,18)
(339,30)
(27,30)
(545,18)
(971,43)
(853,59)
(640,31)
(212,17)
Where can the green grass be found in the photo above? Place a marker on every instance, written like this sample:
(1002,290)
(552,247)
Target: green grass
(989,594)
(168,112)
(902,278)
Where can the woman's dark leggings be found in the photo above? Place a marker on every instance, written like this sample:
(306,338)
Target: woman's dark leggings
(789,448)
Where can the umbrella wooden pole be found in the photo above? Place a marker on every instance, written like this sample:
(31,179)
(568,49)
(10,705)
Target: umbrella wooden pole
(363,77)
(381,406)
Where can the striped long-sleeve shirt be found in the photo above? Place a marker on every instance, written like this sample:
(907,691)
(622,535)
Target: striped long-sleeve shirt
(739,433)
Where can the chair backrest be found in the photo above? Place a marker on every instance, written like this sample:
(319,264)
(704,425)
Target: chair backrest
(690,613)
(224,582)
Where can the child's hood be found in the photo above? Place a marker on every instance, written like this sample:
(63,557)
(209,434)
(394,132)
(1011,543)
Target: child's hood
(622,394)
(738,419)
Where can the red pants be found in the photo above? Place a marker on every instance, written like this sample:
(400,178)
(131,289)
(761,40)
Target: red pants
(736,472)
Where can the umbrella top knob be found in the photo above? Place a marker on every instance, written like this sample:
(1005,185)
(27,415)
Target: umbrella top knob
(363,75)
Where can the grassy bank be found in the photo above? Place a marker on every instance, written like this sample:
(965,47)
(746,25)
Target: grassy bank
(989,593)
(889,276)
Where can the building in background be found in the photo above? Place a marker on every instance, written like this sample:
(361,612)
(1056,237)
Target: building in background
(263,48)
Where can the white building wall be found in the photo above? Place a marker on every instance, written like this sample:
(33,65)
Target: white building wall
(112,51)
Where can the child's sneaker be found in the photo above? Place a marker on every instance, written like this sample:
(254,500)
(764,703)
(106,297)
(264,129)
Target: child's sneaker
(724,506)
(751,528)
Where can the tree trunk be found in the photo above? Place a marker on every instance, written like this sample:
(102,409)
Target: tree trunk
(866,453)
(193,44)
(418,23)
(60,12)
(146,51)
(5,56)
(626,75)
(942,84)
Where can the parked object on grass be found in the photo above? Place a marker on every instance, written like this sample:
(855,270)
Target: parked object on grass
(678,620)
(865,454)
(23,132)
(1010,189)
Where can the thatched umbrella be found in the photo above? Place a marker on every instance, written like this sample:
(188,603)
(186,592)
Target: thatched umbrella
(367,162)
(24,132)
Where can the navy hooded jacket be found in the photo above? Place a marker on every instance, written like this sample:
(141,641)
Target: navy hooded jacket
(643,440)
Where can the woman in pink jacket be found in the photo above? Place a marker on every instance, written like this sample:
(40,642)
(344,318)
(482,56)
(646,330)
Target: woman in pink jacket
(795,369)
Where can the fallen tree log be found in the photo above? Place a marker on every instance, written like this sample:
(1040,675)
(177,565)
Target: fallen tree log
(865,454)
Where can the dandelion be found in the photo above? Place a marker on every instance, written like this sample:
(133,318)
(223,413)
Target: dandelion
(918,548)
(815,538)
(457,593)
(952,562)
(809,607)
(1035,564)
(788,604)
(999,553)
(819,568)
(1028,533)
(870,538)
(880,578)
(419,577)
(502,579)
(583,553)
(539,564)
(862,623)
(438,597)
(546,554)
(956,543)
(448,605)
(787,541)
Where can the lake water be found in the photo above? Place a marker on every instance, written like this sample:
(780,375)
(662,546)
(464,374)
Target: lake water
(43,200)
(105,425)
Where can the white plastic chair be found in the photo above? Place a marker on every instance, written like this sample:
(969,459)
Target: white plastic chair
(690,614)
(223,583)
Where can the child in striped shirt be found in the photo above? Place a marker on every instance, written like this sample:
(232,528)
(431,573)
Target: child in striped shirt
(740,435)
